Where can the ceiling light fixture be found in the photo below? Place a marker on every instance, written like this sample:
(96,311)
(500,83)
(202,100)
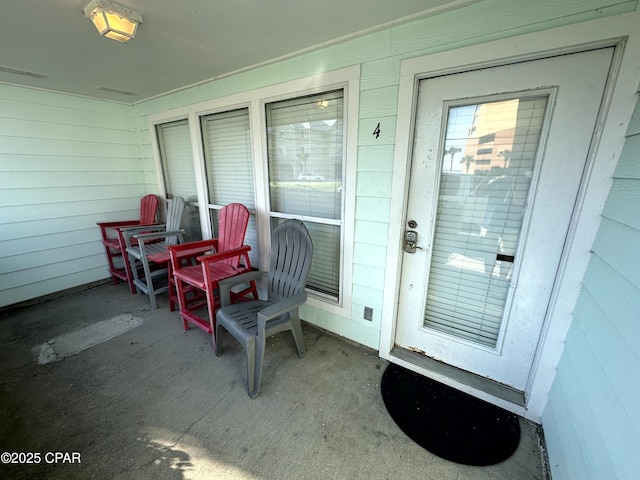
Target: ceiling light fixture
(112,20)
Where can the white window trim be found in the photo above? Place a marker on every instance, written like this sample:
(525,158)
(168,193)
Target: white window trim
(345,78)
(155,147)
(200,161)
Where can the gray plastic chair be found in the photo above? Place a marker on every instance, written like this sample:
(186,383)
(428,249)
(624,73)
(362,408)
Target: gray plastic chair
(148,245)
(252,322)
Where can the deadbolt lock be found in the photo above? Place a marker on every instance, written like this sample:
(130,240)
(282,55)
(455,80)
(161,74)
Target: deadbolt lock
(411,241)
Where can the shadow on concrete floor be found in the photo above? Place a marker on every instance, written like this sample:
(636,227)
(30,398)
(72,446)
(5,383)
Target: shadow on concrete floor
(154,402)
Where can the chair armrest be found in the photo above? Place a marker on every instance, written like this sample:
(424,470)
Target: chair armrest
(129,232)
(143,228)
(121,223)
(115,226)
(158,235)
(279,308)
(144,238)
(216,257)
(225,286)
(189,250)
(202,245)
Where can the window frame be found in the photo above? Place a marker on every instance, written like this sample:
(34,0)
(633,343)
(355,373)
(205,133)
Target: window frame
(346,79)
(311,219)
(212,208)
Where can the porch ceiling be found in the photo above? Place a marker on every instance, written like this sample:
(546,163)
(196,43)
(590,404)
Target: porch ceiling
(180,43)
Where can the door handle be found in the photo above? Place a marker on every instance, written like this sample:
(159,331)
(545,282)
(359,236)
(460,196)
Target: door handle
(411,241)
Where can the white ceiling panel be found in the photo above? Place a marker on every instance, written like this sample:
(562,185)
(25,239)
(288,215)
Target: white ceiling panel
(180,43)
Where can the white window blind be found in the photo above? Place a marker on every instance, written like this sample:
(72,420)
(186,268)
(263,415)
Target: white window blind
(226,139)
(480,213)
(305,138)
(179,176)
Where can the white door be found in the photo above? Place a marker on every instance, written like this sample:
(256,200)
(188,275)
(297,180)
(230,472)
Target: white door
(497,162)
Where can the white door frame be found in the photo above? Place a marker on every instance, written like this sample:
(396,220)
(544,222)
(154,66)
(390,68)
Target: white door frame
(619,100)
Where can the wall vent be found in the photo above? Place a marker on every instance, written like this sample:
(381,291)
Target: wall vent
(116,90)
(24,73)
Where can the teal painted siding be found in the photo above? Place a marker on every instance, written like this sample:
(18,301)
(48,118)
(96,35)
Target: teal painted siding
(379,56)
(592,418)
(65,163)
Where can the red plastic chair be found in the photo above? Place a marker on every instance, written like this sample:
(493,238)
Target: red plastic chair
(199,266)
(115,245)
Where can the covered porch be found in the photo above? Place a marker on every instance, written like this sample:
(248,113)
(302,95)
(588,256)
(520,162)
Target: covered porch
(155,402)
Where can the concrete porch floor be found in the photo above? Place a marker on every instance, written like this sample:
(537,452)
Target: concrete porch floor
(155,402)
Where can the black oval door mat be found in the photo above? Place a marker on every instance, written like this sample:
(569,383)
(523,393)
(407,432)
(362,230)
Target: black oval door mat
(449,423)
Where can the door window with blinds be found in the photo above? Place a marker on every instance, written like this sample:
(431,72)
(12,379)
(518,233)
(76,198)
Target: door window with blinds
(305,144)
(487,165)
(178,173)
(226,139)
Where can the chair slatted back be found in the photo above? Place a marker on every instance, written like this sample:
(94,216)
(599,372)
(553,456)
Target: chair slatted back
(291,252)
(148,209)
(175,208)
(232,228)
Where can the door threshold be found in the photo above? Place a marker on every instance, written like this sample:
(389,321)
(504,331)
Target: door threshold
(481,387)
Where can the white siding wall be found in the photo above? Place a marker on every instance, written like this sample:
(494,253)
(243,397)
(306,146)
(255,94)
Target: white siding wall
(65,163)
(592,418)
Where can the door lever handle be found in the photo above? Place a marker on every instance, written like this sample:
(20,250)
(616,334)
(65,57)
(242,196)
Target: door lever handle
(410,247)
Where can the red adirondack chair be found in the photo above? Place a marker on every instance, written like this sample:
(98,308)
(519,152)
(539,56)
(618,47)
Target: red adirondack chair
(114,243)
(199,266)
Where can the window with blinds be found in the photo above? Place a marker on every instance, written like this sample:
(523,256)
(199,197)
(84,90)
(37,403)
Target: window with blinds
(305,141)
(179,176)
(480,213)
(226,139)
